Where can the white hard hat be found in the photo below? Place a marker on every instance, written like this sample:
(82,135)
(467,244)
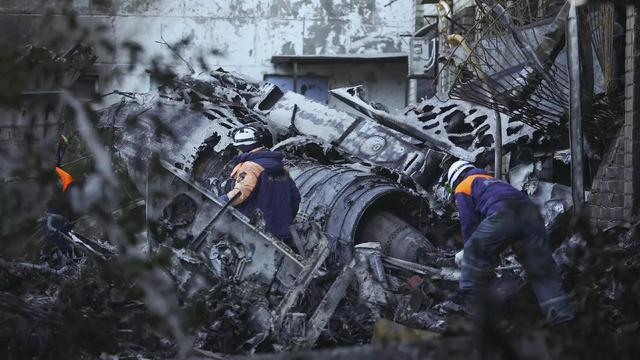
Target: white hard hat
(243,136)
(456,169)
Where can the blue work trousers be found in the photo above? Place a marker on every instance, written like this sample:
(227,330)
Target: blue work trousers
(520,225)
(56,225)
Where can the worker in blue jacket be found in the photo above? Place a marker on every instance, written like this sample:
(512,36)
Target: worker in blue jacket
(262,182)
(493,216)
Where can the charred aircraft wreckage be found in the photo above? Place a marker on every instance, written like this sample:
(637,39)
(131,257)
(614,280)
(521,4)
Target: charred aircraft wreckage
(370,184)
(374,235)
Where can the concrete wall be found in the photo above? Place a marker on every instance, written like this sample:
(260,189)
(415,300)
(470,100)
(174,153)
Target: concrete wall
(239,35)
(383,82)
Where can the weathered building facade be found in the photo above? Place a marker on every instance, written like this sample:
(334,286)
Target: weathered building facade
(364,40)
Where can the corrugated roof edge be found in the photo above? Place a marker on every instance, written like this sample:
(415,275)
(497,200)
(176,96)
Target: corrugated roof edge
(340,58)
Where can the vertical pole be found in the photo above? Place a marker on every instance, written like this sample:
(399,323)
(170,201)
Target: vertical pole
(631,124)
(608,12)
(444,79)
(412,97)
(146,212)
(497,137)
(575,111)
(412,84)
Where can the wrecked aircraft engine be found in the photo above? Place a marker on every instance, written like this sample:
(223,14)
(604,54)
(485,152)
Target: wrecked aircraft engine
(355,205)
(349,201)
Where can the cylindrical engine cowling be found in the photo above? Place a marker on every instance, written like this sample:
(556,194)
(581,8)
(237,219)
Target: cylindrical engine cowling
(339,196)
(398,238)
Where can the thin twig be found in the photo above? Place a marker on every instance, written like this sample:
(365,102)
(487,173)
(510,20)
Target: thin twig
(175,52)
(508,267)
(34,267)
(118,92)
(76,160)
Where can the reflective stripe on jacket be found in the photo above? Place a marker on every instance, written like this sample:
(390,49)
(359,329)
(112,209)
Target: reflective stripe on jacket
(479,195)
(65,178)
(60,201)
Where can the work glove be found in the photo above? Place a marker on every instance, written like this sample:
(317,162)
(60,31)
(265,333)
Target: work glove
(458,258)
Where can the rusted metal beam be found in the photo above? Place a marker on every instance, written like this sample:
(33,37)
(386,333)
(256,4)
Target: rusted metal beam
(304,278)
(329,303)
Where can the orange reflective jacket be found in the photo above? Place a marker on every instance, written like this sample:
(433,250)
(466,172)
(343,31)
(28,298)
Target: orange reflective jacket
(65,178)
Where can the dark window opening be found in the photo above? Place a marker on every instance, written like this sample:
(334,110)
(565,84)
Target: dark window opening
(313,87)
(86,87)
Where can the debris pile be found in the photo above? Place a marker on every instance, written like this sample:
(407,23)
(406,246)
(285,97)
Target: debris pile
(374,239)
(239,290)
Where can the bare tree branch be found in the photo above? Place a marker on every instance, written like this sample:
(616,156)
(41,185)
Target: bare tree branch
(175,51)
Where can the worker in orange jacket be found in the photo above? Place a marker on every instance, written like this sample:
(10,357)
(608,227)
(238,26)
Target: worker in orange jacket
(493,216)
(60,215)
(262,183)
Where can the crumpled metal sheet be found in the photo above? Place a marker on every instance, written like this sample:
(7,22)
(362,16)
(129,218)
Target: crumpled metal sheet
(564,255)
(456,127)
(467,125)
(353,97)
(520,174)
(171,131)
(563,155)
(552,199)
(360,138)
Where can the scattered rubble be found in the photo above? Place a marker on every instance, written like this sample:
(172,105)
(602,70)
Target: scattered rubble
(373,243)
(363,220)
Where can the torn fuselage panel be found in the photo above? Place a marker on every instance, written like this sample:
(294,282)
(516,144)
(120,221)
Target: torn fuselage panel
(458,128)
(168,129)
(466,125)
(359,137)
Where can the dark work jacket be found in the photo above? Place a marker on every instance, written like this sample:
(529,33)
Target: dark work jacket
(60,203)
(275,194)
(479,195)
(60,218)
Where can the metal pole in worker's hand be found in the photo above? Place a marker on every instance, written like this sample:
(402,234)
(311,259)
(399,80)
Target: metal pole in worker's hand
(197,243)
